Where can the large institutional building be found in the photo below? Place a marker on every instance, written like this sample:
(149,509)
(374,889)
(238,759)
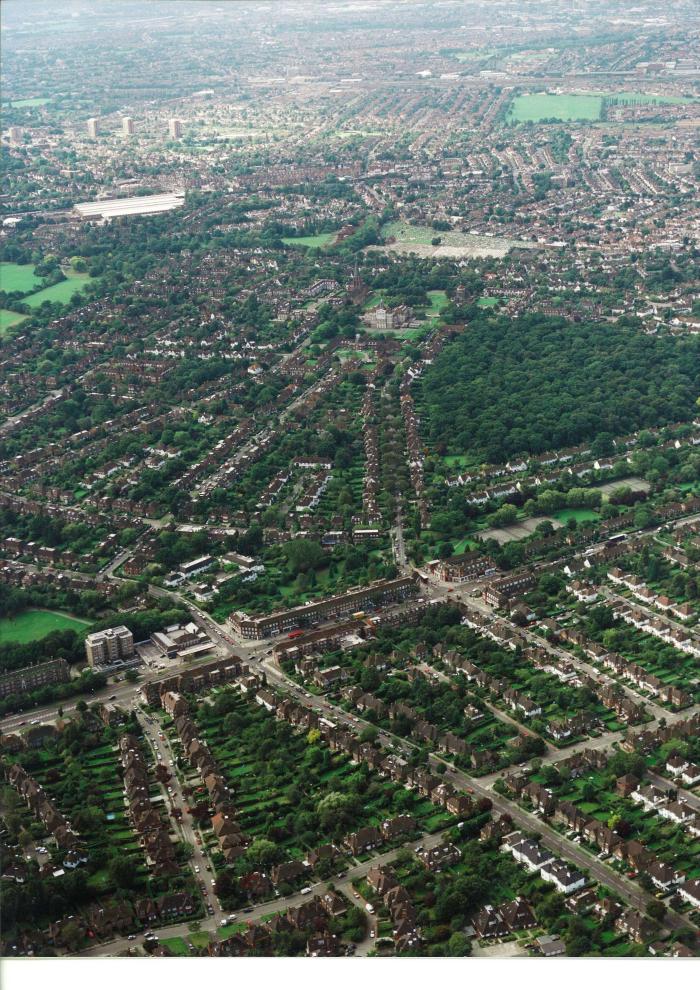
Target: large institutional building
(30,678)
(378,593)
(109,646)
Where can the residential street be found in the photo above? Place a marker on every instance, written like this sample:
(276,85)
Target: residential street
(256,655)
(199,860)
(182,928)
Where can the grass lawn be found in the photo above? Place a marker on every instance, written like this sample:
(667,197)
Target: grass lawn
(646,98)
(406,333)
(312,240)
(9,319)
(17,278)
(61,292)
(463,545)
(228,930)
(35,624)
(580,515)
(35,101)
(372,301)
(565,106)
(487,302)
(477,53)
(438,299)
(200,939)
(413,234)
(459,461)
(177,946)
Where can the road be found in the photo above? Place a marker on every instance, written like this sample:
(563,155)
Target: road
(277,905)
(479,605)
(615,598)
(256,655)
(398,542)
(12,421)
(109,569)
(571,851)
(566,848)
(693,800)
(174,798)
(502,716)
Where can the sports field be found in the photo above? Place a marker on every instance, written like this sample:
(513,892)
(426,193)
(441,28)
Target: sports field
(554,106)
(17,278)
(35,624)
(312,240)
(537,107)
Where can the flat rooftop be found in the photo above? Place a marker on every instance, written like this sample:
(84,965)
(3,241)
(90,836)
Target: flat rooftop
(130,206)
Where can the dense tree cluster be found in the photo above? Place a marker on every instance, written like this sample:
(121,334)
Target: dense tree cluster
(536,383)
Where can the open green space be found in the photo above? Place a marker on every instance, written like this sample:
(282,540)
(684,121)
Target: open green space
(635,97)
(62,292)
(17,278)
(487,302)
(463,545)
(309,240)
(408,238)
(459,461)
(580,515)
(373,300)
(537,107)
(35,624)
(438,299)
(404,333)
(35,101)
(478,53)
(176,945)
(9,319)
(414,234)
